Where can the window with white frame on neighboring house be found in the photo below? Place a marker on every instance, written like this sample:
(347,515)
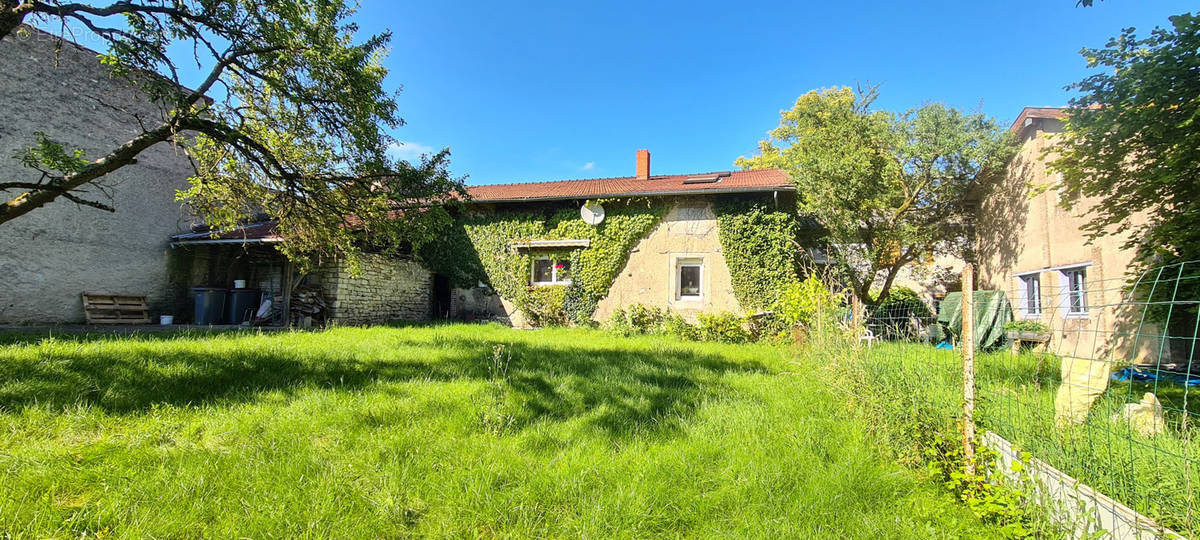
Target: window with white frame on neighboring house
(688,273)
(551,271)
(1073,282)
(1030,295)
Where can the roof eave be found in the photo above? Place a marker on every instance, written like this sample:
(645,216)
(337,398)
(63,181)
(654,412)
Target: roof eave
(210,241)
(763,189)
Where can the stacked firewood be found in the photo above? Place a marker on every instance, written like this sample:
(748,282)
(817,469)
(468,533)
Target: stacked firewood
(308,302)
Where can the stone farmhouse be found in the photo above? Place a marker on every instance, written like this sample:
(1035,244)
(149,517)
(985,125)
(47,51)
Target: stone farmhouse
(673,261)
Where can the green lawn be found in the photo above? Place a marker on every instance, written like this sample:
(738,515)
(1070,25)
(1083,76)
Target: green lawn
(442,431)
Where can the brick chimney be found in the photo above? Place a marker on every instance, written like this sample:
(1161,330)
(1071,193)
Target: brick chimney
(643,164)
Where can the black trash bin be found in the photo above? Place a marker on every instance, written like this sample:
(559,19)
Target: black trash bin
(242,305)
(210,305)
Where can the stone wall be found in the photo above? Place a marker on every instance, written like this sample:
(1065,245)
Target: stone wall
(387,289)
(52,254)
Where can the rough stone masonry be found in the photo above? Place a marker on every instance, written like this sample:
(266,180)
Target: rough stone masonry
(387,289)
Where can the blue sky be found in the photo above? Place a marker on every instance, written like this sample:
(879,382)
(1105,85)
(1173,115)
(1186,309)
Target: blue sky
(557,90)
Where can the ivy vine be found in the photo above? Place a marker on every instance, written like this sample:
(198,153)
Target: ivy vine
(477,249)
(759,245)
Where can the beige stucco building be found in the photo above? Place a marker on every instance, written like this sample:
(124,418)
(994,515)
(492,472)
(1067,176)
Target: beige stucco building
(686,237)
(1036,250)
(678,266)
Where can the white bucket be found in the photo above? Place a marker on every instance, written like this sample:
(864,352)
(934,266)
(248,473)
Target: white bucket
(239,284)
(166,320)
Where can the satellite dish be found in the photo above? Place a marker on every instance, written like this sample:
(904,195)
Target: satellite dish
(592,213)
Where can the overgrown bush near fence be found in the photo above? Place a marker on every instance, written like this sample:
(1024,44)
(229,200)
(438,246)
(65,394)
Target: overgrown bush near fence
(901,316)
(910,395)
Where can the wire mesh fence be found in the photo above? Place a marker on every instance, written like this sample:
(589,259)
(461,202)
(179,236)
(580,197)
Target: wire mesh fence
(1093,376)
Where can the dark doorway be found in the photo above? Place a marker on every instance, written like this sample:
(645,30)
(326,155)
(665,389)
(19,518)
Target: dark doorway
(441,297)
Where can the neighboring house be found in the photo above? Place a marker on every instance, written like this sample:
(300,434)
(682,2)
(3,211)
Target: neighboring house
(51,255)
(931,278)
(675,261)
(1036,250)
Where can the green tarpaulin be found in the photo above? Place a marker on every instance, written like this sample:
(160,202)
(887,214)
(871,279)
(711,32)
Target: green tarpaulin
(992,312)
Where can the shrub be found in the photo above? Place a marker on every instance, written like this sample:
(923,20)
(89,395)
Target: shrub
(618,323)
(800,303)
(578,306)
(646,319)
(903,300)
(722,327)
(900,315)
(768,327)
(674,324)
(543,306)
(1026,326)
(642,319)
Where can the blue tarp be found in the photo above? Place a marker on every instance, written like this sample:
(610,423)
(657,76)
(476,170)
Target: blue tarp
(1138,375)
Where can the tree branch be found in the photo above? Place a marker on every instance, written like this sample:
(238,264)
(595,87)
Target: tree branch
(26,202)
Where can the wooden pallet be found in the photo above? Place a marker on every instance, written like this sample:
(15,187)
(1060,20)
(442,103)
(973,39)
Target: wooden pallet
(115,309)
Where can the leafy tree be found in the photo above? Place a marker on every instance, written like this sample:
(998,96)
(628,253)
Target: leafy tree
(1132,141)
(890,188)
(289,118)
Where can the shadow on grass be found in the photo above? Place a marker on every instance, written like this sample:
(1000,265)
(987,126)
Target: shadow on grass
(616,389)
(90,334)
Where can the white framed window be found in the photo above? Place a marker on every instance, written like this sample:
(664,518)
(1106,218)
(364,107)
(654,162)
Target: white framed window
(689,276)
(1029,295)
(1073,285)
(551,271)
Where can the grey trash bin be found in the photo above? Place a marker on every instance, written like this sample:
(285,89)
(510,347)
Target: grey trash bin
(210,305)
(242,305)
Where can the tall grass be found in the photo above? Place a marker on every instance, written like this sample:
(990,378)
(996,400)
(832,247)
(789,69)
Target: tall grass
(441,431)
(914,392)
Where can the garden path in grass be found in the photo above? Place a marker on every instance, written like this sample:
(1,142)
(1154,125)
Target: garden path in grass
(456,430)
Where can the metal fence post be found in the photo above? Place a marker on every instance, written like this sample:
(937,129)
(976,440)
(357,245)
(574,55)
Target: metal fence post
(967,342)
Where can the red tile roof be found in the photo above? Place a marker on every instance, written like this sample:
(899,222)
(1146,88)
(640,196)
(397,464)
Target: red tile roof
(678,184)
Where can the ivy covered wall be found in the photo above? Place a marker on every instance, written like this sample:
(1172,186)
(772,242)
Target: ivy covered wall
(758,242)
(760,248)
(477,250)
